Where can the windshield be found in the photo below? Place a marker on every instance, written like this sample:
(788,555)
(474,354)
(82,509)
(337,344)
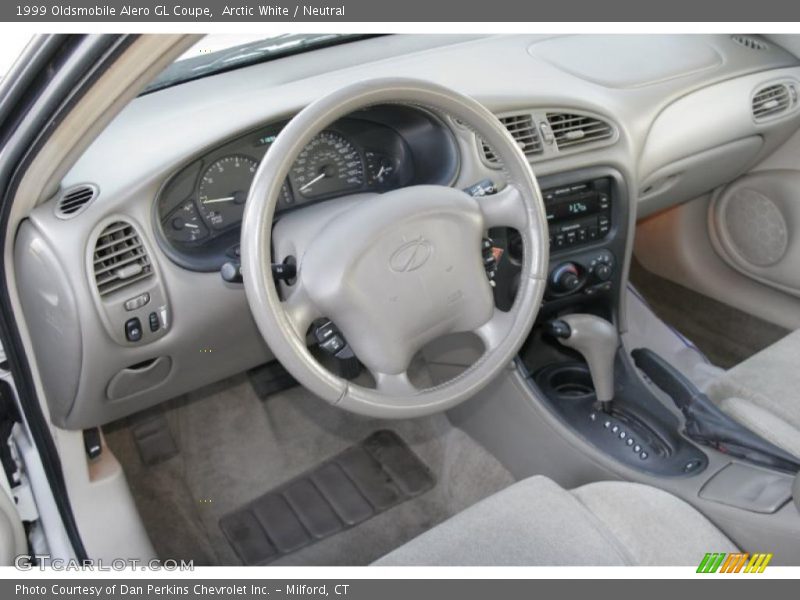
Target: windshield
(11,46)
(217,53)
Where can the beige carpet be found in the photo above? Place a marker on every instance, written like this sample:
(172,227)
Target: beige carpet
(234,447)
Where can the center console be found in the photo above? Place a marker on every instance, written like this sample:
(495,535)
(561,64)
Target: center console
(574,361)
(587,214)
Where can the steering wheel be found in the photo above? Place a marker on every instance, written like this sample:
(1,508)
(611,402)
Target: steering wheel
(393,271)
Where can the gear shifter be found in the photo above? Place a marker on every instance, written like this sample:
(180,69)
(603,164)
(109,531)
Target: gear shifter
(597,340)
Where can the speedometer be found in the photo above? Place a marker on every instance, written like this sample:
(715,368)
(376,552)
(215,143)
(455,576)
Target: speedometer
(329,164)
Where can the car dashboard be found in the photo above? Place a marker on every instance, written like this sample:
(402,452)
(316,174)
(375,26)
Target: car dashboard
(123,260)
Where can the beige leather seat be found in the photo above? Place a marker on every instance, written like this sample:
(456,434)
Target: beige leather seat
(763,393)
(536,522)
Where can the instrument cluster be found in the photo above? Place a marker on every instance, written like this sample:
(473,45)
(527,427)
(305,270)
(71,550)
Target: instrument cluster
(200,207)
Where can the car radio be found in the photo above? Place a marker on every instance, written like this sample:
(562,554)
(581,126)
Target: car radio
(578,213)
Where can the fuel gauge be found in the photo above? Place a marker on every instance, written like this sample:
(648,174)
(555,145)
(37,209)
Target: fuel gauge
(185,225)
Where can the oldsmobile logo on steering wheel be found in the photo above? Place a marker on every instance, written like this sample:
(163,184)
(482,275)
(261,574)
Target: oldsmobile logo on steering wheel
(411,255)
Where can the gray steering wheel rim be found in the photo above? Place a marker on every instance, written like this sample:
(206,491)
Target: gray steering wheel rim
(266,305)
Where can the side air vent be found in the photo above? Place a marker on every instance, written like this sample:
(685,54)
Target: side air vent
(523,129)
(773,100)
(119,258)
(571,130)
(750,42)
(74,200)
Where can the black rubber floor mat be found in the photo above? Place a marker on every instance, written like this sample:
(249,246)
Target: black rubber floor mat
(342,492)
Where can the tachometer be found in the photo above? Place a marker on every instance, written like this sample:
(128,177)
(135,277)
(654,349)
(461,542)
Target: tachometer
(329,164)
(223,190)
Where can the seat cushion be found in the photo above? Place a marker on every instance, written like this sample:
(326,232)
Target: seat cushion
(763,393)
(536,522)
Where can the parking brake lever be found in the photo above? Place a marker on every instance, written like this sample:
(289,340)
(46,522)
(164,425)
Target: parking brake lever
(705,422)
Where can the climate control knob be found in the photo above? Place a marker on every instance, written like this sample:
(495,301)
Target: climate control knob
(565,278)
(603,272)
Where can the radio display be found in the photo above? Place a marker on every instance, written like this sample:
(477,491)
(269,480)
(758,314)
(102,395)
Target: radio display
(575,206)
(578,213)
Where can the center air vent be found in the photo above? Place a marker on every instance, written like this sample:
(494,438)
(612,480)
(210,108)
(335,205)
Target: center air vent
(74,200)
(773,100)
(750,42)
(119,258)
(523,129)
(572,130)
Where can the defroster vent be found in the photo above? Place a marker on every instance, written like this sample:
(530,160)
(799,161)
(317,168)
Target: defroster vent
(75,199)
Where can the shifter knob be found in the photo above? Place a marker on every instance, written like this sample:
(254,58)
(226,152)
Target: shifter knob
(597,340)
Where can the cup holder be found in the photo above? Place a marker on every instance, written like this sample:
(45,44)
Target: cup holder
(566,381)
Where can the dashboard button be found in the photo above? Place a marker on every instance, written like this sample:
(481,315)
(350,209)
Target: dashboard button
(137,302)
(154,322)
(333,344)
(133,330)
(691,465)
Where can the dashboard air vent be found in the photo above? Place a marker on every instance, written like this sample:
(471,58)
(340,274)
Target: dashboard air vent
(74,200)
(572,130)
(749,42)
(120,259)
(771,100)
(523,129)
